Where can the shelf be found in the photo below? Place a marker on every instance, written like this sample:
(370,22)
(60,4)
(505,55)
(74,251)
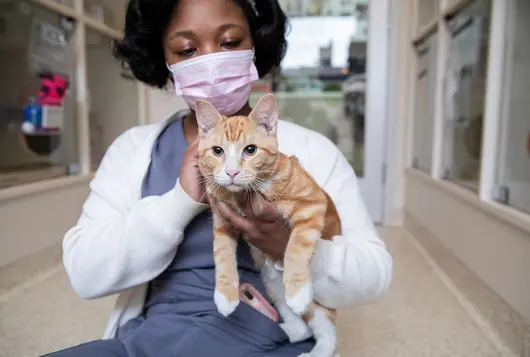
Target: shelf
(80,16)
(101,27)
(59,8)
(30,174)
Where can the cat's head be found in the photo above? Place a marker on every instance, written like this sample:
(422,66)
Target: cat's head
(239,152)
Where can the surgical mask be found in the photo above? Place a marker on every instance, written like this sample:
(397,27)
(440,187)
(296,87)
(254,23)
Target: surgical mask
(223,78)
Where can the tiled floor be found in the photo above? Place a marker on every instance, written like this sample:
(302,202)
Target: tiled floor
(419,317)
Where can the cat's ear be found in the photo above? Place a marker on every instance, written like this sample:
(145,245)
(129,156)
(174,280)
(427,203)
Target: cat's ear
(207,116)
(265,114)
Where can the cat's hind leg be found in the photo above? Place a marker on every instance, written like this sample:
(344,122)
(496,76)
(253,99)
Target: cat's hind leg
(322,323)
(293,325)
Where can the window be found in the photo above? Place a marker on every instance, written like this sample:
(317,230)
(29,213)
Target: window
(465,80)
(37,99)
(425,91)
(513,180)
(113,96)
(64,98)
(427,11)
(324,89)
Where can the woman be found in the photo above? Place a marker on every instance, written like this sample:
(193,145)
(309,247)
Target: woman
(145,231)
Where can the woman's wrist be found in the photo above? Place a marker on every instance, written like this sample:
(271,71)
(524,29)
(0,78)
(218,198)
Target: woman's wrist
(188,208)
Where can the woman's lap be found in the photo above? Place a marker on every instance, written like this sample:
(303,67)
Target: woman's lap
(209,335)
(115,348)
(206,348)
(103,348)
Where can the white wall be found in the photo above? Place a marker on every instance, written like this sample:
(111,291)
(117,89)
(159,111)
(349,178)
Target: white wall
(163,103)
(35,221)
(493,248)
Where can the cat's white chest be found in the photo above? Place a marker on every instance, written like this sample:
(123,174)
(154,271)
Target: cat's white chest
(273,280)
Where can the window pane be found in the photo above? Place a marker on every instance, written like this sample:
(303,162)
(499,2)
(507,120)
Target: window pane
(113,96)
(111,13)
(424,104)
(514,160)
(427,11)
(37,98)
(324,89)
(465,94)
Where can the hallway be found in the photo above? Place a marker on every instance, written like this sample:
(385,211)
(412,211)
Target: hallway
(421,316)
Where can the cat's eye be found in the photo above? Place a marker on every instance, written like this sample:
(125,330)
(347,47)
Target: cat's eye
(250,149)
(217,151)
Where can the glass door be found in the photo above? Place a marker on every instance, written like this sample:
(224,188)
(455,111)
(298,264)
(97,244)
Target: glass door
(334,80)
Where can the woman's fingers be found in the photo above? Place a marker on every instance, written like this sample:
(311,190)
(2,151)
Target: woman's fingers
(236,220)
(260,209)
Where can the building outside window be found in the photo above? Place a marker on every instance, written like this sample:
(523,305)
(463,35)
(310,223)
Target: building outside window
(324,89)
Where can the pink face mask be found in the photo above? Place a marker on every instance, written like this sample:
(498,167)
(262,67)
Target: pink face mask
(223,78)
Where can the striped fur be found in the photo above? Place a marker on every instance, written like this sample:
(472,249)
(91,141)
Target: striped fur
(299,200)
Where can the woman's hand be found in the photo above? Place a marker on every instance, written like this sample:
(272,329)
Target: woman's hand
(263,227)
(190,178)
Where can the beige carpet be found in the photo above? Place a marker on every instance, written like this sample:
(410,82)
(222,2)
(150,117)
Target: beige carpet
(419,317)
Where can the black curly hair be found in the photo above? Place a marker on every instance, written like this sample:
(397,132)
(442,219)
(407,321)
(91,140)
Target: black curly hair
(141,48)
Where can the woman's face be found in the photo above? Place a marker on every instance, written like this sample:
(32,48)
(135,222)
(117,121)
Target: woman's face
(200,27)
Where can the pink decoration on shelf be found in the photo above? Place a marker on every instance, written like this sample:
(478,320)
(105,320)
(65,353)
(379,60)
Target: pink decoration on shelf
(53,89)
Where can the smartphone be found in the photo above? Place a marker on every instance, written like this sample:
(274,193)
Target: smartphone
(251,296)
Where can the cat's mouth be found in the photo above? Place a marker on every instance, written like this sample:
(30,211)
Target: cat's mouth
(234,187)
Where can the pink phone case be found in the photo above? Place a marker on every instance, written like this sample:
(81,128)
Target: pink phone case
(251,296)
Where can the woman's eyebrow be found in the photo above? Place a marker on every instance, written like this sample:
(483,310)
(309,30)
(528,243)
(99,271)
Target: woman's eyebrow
(229,26)
(191,34)
(182,33)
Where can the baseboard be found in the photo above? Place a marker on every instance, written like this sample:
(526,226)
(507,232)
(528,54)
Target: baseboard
(511,328)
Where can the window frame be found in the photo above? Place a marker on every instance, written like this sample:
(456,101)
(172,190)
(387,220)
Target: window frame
(494,102)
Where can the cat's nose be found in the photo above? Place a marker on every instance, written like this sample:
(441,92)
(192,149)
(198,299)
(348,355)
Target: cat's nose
(232,173)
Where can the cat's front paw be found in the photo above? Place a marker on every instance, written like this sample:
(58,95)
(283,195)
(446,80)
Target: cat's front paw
(300,301)
(225,305)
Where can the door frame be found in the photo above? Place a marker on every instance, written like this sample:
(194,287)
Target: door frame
(373,183)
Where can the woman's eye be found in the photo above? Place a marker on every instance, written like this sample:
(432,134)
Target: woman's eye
(218,151)
(230,44)
(250,150)
(187,53)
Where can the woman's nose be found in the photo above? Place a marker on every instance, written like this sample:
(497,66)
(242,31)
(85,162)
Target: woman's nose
(209,49)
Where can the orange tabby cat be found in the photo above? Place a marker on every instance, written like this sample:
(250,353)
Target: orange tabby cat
(238,155)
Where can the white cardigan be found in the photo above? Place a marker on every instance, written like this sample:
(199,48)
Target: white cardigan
(121,242)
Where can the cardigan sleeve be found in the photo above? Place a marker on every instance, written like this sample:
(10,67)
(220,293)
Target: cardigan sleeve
(120,241)
(356,266)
